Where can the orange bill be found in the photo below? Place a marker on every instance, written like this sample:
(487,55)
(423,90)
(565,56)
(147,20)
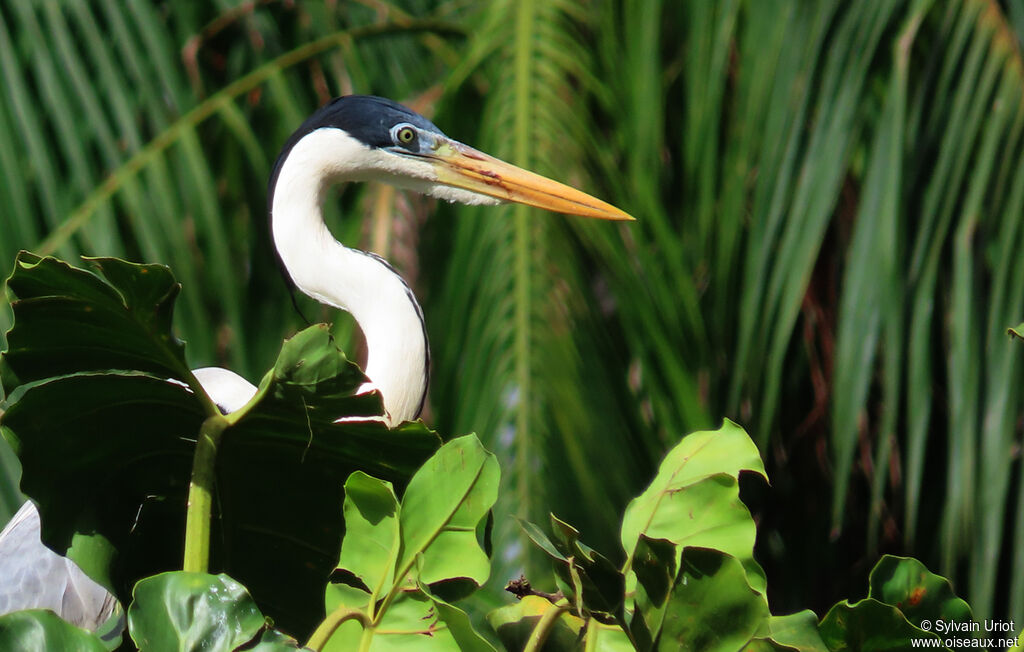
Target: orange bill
(463,167)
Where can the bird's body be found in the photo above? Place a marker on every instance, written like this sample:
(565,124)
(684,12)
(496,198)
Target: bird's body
(354,138)
(50,581)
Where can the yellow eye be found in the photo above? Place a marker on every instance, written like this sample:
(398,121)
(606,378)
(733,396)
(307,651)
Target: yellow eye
(406,135)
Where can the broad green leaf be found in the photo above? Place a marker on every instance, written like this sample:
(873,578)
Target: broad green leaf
(765,645)
(542,541)
(707,514)
(121,473)
(371,544)
(655,564)
(40,629)
(310,366)
(341,594)
(121,318)
(459,625)
(125,443)
(597,582)
(712,606)
(1016,331)
(665,511)
(139,504)
(192,611)
(918,593)
(606,638)
(442,506)
(655,567)
(291,439)
(412,622)
(797,631)
(515,622)
(868,625)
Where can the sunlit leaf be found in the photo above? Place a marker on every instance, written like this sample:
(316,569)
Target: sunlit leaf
(797,631)
(441,525)
(192,611)
(868,625)
(918,593)
(414,621)
(694,499)
(371,545)
(515,622)
(39,629)
(712,606)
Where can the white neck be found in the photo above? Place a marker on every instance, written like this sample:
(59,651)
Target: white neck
(360,283)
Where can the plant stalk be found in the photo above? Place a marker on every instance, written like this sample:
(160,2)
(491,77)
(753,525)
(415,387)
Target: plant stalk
(543,629)
(332,622)
(200,495)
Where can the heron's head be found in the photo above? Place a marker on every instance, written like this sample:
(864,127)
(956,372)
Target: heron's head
(385,141)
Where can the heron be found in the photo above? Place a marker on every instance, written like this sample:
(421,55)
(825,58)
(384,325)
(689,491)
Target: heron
(354,138)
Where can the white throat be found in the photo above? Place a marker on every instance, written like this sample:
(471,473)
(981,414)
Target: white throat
(349,279)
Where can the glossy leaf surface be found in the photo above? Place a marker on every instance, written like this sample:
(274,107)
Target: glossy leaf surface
(868,625)
(42,630)
(920,594)
(192,611)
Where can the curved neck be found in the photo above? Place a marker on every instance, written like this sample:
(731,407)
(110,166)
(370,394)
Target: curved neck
(360,283)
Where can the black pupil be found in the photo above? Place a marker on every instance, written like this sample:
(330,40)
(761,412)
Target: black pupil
(405,135)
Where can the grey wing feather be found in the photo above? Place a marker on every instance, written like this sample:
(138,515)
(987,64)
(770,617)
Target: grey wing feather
(34,577)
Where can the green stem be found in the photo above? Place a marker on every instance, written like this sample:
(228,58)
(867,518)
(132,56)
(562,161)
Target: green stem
(547,622)
(200,495)
(333,621)
(200,489)
(366,639)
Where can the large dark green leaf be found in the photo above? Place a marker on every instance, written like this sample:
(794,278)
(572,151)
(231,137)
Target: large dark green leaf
(920,594)
(868,625)
(118,318)
(797,632)
(40,629)
(193,611)
(113,463)
(596,584)
(712,606)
